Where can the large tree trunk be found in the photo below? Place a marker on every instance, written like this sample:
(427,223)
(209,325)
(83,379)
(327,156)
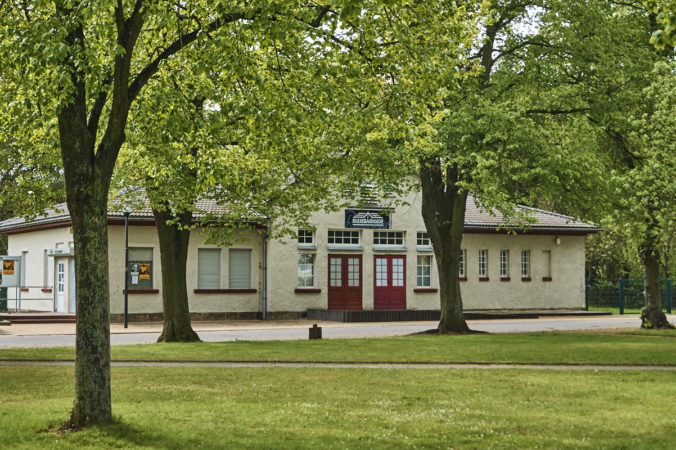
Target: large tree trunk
(652,315)
(87,184)
(174,239)
(443,210)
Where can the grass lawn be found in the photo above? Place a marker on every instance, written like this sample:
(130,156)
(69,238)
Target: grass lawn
(210,407)
(626,347)
(348,408)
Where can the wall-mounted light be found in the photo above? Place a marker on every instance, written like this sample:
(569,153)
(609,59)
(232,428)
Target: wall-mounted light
(558,240)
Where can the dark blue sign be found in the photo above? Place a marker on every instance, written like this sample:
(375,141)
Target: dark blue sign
(368,218)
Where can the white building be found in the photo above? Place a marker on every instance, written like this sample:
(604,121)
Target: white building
(368,258)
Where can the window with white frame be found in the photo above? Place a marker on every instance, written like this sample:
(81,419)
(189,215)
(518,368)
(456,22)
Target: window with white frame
(423,239)
(462,265)
(504,263)
(388,238)
(343,237)
(525,264)
(208,268)
(140,268)
(306,237)
(306,270)
(483,263)
(424,272)
(239,268)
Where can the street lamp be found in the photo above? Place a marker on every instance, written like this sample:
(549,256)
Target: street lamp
(126,213)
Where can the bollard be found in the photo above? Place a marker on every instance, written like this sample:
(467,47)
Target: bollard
(315,332)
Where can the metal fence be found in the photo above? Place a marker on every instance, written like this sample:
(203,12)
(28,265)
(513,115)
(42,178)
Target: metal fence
(624,294)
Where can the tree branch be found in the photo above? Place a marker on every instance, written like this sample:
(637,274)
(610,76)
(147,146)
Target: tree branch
(151,69)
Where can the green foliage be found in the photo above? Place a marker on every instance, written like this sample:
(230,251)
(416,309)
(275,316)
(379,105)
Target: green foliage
(665,16)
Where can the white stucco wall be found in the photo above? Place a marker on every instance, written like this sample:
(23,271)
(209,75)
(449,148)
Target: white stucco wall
(38,295)
(565,290)
(146,236)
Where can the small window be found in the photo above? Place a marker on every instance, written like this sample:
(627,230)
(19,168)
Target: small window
(49,271)
(343,237)
(424,273)
(368,194)
(140,268)
(525,264)
(306,270)
(208,268)
(483,263)
(24,265)
(388,238)
(239,273)
(423,239)
(306,237)
(504,263)
(547,265)
(462,266)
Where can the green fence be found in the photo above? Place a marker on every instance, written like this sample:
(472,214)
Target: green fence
(624,294)
(3,299)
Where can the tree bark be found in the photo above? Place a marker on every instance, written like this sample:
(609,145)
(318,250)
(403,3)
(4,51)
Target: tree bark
(174,239)
(443,210)
(652,315)
(87,196)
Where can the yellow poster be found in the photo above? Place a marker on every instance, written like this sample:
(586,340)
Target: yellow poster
(144,271)
(8,267)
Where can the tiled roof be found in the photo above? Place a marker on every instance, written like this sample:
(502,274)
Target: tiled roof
(475,217)
(139,211)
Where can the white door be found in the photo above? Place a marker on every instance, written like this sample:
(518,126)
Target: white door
(71,291)
(61,286)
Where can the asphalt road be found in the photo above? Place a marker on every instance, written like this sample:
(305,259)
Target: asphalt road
(64,336)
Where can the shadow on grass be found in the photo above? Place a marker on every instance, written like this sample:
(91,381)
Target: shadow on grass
(118,434)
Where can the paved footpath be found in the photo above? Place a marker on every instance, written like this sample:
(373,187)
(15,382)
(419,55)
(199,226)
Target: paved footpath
(352,365)
(63,335)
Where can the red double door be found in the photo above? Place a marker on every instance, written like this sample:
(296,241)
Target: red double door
(389,282)
(345,282)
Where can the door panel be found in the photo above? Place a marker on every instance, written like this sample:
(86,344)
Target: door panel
(389,290)
(61,286)
(345,282)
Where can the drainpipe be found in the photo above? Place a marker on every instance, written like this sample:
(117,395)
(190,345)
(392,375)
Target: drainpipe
(265,275)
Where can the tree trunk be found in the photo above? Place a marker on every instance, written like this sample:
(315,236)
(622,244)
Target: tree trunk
(443,210)
(92,402)
(652,315)
(174,241)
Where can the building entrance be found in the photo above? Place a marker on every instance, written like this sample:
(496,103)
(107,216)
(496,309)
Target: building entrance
(389,290)
(345,282)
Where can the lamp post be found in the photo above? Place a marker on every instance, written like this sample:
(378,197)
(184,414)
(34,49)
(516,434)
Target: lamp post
(126,213)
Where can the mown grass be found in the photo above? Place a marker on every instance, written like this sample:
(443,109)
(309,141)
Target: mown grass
(626,347)
(347,408)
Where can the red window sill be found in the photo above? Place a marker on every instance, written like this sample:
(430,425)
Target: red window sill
(225,291)
(143,291)
(484,279)
(462,278)
(505,279)
(46,289)
(546,278)
(425,290)
(25,289)
(525,278)
(307,291)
